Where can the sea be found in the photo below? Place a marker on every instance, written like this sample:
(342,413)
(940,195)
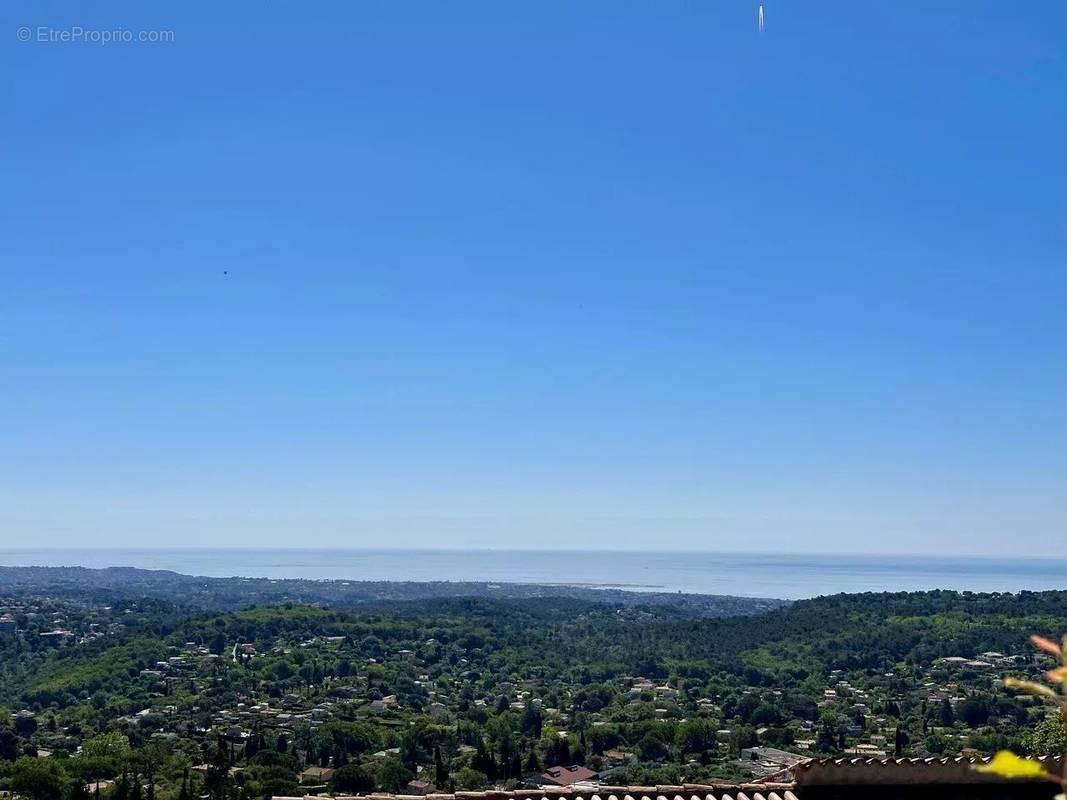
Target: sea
(790,577)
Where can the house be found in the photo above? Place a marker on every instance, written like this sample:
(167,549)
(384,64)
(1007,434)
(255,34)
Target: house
(316,775)
(618,758)
(565,776)
(383,705)
(762,761)
(666,692)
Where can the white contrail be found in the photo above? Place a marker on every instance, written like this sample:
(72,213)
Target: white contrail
(761,17)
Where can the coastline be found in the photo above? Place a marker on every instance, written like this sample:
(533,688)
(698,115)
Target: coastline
(755,575)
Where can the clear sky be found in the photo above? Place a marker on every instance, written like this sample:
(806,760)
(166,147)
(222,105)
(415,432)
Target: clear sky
(536,274)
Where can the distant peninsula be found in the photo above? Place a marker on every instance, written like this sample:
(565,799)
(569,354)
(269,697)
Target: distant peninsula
(228,594)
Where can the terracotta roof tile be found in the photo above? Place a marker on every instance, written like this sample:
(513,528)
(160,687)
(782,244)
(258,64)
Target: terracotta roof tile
(826,772)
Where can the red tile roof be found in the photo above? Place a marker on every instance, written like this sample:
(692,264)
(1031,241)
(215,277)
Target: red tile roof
(900,771)
(810,778)
(564,776)
(732,791)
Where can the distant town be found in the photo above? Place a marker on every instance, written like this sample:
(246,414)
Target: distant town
(423,696)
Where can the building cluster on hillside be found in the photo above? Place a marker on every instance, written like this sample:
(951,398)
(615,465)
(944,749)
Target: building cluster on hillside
(286,686)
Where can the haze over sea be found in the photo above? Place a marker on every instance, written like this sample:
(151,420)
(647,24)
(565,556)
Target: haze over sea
(747,574)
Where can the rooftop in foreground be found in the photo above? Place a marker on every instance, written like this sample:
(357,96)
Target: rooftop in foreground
(812,779)
(725,791)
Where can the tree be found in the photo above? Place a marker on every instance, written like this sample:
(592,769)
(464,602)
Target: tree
(440,768)
(765,714)
(186,791)
(936,743)
(974,711)
(268,781)
(121,789)
(826,740)
(103,756)
(742,736)
(217,778)
(948,716)
(532,721)
(9,744)
(1048,738)
(470,780)
(150,759)
(652,747)
(409,748)
(393,776)
(77,791)
(532,764)
(483,760)
(695,736)
(900,741)
(254,743)
(352,779)
(218,643)
(38,778)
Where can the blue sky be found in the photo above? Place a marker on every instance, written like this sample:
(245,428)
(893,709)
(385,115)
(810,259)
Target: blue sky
(536,274)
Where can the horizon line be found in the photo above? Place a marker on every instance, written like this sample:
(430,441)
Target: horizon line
(529,550)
